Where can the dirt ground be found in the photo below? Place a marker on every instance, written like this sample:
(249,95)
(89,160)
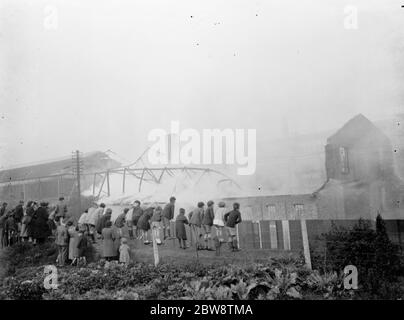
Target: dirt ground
(170,252)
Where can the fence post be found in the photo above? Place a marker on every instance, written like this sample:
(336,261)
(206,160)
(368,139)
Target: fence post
(286,235)
(306,247)
(155,248)
(259,233)
(273,235)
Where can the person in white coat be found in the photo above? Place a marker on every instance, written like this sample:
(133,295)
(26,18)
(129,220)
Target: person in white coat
(218,221)
(83,220)
(94,214)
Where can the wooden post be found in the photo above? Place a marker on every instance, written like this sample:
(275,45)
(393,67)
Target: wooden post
(286,234)
(273,234)
(155,249)
(24,191)
(259,233)
(306,248)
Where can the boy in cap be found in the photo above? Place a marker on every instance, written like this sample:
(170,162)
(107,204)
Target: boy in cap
(168,215)
(195,223)
(207,223)
(231,219)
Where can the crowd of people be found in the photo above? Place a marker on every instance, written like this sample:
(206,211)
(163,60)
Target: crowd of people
(36,223)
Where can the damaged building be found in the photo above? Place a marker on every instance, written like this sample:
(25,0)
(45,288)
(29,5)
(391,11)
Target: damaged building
(361,181)
(361,178)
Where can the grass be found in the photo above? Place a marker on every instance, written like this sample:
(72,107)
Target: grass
(169,252)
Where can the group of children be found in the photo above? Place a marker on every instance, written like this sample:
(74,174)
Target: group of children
(202,222)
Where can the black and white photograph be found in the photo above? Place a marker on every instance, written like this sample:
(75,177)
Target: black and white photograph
(201,150)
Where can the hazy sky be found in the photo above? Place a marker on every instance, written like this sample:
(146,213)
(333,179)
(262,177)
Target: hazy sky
(113,70)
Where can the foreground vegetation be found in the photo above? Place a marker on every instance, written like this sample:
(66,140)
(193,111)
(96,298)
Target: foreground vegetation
(377,259)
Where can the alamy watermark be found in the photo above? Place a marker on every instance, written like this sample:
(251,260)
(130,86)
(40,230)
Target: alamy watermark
(211,146)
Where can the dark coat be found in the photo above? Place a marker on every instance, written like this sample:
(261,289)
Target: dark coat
(143,222)
(196,217)
(30,226)
(102,222)
(137,213)
(11,225)
(208,217)
(232,218)
(168,211)
(120,220)
(180,223)
(40,223)
(19,213)
(108,248)
(82,244)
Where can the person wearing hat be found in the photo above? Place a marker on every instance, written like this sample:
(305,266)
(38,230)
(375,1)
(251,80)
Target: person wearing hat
(129,221)
(218,221)
(73,236)
(62,241)
(120,220)
(195,223)
(11,229)
(124,252)
(108,238)
(207,223)
(18,214)
(82,245)
(168,215)
(93,216)
(61,208)
(83,219)
(155,222)
(30,212)
(143,224)
(41,232)
(136,214)
(102,222)
(231,219)
(180,231)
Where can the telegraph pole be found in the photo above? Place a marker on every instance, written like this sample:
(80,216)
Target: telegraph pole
(77,168)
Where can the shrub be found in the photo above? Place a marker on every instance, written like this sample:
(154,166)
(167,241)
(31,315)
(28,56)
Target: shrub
(370,251)
(26,254)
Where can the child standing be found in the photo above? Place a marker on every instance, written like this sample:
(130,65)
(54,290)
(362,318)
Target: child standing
(124,252)
(82,245)
(143,224)
(180,232)
(218,221)
(62,241)
(155,223)
(73,236)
